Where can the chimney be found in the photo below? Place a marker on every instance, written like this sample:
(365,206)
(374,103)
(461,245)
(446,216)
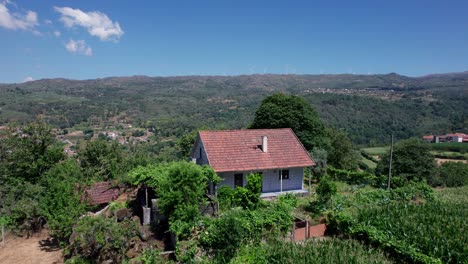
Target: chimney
(264,143)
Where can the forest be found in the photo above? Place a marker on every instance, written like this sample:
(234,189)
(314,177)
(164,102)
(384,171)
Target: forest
(367,107)
(413,216)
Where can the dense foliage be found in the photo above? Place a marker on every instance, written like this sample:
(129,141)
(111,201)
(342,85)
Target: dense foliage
(222,237)
(289,111)
(435,229)
(368,107)
(61,204)
(247,197)
(331,250)
(453,174)
(181,194)
(97,239)
(412,161)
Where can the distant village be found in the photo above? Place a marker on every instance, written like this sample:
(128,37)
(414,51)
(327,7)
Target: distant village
(456,137)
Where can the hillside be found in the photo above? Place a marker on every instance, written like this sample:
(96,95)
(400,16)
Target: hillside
(368,107)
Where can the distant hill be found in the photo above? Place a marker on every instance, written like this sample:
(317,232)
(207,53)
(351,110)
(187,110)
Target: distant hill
(369,107)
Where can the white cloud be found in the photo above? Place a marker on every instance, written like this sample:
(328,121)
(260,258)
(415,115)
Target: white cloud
(48,22)
(28,79)
(26,21)
(79,46)
(98,24)
(57,33)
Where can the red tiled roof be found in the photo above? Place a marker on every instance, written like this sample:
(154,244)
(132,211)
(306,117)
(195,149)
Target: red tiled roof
(101,192)
(455,135)
(428,137)
(239,150)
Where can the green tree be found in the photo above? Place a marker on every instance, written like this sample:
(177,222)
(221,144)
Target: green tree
(453,174)
(29,151)
(289,111)
(185,143)
(326,189)
(102,160)
(61,203)
(341,154)
(182,192)
(412,161)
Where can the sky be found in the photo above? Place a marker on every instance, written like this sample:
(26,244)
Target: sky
(96,39)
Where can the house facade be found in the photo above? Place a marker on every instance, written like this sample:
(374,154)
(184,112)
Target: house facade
(276,154)
(455,137)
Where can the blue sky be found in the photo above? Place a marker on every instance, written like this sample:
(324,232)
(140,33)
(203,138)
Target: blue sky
(94,39)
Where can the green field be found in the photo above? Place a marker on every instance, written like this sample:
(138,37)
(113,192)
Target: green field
(331,250)
(376,151)
(369,163)
(435,229)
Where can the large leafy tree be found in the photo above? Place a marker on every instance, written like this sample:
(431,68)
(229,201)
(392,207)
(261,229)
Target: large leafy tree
(282,111)
(102,160)
(29,151)
(412,161)
(26,154)
(182,192)
(342,154)
(61,204)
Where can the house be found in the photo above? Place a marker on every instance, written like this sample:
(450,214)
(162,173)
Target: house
(454,137)
(276,154)
(428,138)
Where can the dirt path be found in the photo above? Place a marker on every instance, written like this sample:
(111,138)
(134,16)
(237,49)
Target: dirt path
(37,249)
(441,161)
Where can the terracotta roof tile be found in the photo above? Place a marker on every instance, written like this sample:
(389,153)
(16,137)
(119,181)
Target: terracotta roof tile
(240,150)
(101,192)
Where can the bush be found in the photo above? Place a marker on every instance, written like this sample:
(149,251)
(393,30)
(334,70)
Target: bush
(100,239)
(352,177)
(247,197)
(20,204)
(453,174)
(61,203)
(326,189)
(223,236)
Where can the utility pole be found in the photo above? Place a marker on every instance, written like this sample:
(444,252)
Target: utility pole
(390,167)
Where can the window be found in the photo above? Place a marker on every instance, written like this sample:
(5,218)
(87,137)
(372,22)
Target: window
(283,174)
(200,154)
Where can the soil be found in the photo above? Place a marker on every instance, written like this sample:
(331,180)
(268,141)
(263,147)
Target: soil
(440,161)
(39,248)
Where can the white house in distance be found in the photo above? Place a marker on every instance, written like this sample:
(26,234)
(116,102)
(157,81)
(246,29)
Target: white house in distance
(276,154)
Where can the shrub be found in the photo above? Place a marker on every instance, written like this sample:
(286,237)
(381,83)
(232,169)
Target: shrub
(223,236)
(453,174)
(61,203)
(352,177)
(326,189)
(247,197)
(100,239)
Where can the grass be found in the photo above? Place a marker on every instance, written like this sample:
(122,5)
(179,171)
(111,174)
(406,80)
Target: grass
(454,195)
(376,150)
(369,163)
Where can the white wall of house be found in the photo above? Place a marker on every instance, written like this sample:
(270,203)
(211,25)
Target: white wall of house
(270,179)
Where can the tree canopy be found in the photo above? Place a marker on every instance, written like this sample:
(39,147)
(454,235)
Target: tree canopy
(283,111)
(412,161)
